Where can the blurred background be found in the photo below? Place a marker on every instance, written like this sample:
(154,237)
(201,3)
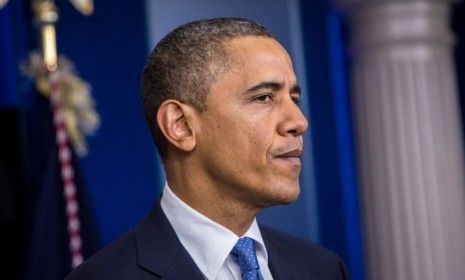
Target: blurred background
(383,84)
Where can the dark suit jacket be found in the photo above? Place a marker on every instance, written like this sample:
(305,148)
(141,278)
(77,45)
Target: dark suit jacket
(153,251)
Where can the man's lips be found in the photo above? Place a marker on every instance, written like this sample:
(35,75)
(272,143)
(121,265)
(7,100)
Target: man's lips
(292,156)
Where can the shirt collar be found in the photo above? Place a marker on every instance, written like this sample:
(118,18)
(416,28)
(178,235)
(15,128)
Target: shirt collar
(208,242)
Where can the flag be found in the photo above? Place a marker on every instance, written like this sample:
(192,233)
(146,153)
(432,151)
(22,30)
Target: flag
(34,222)
(48,255)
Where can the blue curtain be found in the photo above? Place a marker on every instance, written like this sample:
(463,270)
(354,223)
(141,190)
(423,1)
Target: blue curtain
(330,115)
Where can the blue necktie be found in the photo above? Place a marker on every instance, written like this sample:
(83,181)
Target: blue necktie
(244,255)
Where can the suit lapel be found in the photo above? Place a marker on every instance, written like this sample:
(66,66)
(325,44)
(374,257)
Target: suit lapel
(278,265)
(160,251)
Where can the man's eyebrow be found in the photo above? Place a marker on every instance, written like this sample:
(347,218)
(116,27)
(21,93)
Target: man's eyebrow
(296,89)
(273,86)
(266,85)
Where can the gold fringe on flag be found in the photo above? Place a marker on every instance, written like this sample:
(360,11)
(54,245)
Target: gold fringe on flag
(79,113)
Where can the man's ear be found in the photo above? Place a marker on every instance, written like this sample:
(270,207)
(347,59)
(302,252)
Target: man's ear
(176,120)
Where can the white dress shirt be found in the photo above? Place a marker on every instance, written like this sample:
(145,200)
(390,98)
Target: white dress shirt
(209,243)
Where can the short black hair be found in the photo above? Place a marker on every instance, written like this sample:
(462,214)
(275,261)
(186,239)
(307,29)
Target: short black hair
(186,62)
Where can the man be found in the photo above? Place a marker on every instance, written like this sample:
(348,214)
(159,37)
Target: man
(221,99)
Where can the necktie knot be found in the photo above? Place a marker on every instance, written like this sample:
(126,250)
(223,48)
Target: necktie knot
(244,254)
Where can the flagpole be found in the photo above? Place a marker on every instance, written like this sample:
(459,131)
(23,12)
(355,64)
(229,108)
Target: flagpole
(46,15)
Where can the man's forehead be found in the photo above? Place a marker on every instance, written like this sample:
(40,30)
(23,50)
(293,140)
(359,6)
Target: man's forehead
(248,44)
(255,52)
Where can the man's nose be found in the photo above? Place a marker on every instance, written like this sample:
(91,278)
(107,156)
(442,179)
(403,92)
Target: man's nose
(294,122)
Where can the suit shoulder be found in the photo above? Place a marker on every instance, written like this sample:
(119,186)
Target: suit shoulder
(118,260)
(306,257)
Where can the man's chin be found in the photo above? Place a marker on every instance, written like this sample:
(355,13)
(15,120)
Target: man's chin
(283,197)
(287,199)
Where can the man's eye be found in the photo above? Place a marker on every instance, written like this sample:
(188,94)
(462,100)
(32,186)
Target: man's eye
(296,100)
(264,98)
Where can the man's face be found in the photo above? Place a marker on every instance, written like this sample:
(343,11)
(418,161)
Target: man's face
(250,138)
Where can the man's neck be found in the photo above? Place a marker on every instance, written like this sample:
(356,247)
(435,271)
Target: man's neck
(234,214)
